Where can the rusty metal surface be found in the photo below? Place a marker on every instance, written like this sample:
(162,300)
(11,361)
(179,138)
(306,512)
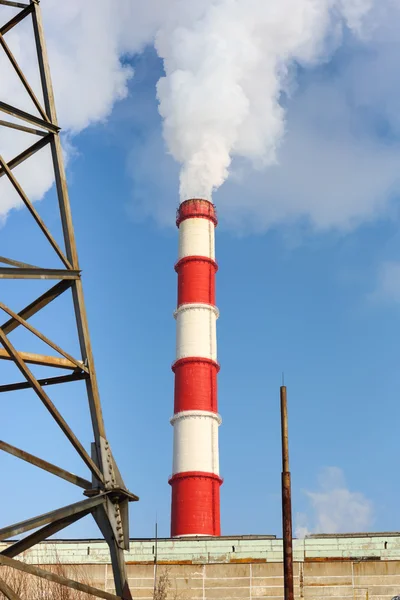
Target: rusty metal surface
(286,502)
(7,591)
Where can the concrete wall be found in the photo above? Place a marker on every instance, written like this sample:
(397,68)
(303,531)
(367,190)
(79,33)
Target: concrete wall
(354,566)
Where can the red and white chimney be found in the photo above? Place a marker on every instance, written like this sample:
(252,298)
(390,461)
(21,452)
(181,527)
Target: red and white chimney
(195,477)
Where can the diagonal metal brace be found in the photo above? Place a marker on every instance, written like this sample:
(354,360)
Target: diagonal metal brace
(70,583)
(42,534)
(60,513)
(45,465)
(7,591)
(49,405)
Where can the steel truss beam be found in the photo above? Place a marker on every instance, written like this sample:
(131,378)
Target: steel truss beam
(7,591)
(107,496)
(25,568)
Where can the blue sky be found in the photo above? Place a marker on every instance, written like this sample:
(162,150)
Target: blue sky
(312,291)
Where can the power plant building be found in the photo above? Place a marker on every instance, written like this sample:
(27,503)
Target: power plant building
(352,566)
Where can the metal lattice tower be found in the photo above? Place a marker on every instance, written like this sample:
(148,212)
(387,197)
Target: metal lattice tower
(106,495)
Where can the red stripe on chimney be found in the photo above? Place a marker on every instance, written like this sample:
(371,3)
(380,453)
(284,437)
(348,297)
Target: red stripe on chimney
(196,280)
(195,504)
(195,385)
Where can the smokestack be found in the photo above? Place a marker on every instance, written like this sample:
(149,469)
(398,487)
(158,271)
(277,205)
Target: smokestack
(195,478)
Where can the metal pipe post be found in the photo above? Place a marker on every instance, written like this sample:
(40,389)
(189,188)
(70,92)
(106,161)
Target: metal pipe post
(286,502)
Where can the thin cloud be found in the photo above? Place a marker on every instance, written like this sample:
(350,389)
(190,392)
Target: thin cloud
(334,508)
(387,289)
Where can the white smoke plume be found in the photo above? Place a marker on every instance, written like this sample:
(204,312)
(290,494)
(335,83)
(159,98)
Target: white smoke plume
(227,63)
(334,507)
